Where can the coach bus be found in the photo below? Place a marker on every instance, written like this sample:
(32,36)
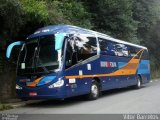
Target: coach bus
(61,61)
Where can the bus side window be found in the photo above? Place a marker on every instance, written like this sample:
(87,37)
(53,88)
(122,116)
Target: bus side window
(107,47)
(86,47)
(145,55)
(121,50)
(111,49)
(70,56)
(103,46)
(133,51)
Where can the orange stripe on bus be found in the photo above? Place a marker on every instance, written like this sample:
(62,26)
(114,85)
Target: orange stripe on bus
(34,83)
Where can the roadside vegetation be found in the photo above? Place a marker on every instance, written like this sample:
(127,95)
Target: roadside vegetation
(5,107)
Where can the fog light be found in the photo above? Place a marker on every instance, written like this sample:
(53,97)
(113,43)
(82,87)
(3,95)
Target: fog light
(18,87)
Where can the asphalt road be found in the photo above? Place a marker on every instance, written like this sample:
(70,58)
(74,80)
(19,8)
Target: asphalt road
(125,101)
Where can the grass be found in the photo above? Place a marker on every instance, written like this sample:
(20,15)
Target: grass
(5,106)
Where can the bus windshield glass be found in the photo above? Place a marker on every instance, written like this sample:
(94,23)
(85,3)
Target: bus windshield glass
(38,55)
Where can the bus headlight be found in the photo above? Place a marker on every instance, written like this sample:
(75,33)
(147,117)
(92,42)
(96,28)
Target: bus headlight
(18,87)
(57,84)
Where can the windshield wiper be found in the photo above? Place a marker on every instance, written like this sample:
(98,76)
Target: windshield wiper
(33,57)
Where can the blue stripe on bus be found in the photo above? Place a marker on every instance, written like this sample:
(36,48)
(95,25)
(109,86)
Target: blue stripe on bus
(46,80)
(143,67)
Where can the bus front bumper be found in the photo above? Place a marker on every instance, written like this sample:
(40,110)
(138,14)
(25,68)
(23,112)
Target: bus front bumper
(40,93)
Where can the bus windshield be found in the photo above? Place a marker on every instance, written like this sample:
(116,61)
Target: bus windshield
(38,55)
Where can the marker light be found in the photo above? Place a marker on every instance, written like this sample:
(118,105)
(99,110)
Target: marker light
(57,84)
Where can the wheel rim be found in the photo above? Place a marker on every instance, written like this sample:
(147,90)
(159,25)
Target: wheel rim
(139,83)
(94,90)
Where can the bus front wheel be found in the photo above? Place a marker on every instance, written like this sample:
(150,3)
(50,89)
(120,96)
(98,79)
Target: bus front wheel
(94,91)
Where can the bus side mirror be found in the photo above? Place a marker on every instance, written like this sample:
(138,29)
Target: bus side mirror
(59,38)
(11,46)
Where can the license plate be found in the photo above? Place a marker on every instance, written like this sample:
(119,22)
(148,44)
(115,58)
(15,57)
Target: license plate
(32,94)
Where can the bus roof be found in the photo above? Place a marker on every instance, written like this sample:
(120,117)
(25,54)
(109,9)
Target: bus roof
(69,29)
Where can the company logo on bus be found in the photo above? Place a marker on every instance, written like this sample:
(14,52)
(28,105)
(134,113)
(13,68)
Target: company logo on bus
(108,64)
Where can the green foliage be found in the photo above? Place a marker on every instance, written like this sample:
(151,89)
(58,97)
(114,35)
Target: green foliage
(35,10)
(10,20)
(136,21)
(55,13)
(5,107)
(114,17)
(153,42)
(69,12)
(76,13)
(34,14)
(146,12)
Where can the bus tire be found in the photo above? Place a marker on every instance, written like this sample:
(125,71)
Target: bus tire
(139,82)
(94,91)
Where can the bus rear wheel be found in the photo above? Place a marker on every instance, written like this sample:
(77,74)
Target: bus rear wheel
(139,83)
(94,91)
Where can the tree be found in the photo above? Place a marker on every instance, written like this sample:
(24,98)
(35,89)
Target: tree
(147,13)
(114,17)
(69,12)
(10,20)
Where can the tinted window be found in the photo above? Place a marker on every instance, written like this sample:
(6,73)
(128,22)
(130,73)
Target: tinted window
(48,56)
(107,47)
(121,50)
(145,55)
(38,55)
(86,47)
(79,49)
(112,48)
(133,51)
(103,46)
(70,56)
